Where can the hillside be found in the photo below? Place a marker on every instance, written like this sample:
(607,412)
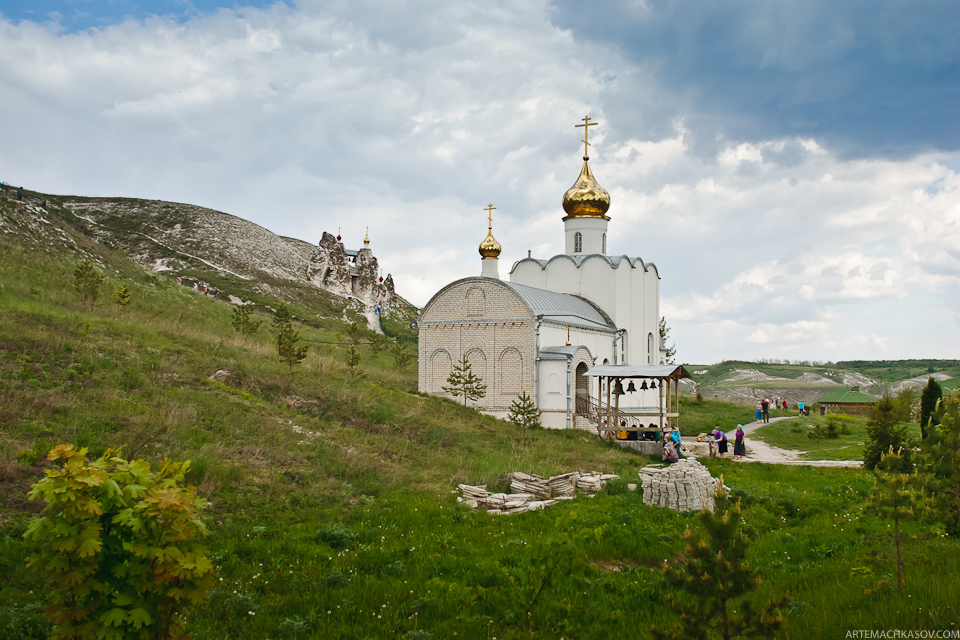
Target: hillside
(331,492)
(748,382)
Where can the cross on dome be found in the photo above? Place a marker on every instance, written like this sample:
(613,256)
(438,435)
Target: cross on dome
(586,129)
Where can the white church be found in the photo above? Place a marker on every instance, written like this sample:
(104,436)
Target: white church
(551,322)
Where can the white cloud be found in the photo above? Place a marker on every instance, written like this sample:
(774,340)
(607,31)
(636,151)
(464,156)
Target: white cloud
(327,115)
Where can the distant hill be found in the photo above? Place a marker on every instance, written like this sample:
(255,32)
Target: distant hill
(748,382)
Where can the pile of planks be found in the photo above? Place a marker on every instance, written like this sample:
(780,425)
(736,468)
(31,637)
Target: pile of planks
(684,486)
(531,492)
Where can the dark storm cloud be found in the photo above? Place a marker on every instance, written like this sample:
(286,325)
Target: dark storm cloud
(866,78)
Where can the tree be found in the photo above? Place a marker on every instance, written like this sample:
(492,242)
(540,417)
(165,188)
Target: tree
(86,280)
(664,334)
(464,382)
(884,430)
(932,394)
(121,296)
(378,343)
(894,497)
(401,354)
(353,359)
(524,413)
(287,349)
(942,469)
(243,319)
(716,578)
(118,546)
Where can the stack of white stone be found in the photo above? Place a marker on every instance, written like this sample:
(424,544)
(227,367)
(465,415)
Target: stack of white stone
(531,492)
(684,486)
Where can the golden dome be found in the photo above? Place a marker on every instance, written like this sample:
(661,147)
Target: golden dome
(490,248)
(586,198)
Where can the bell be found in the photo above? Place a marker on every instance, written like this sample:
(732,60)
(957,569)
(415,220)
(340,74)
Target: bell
(618,389)
(630,387)
(653,385)
(643,385)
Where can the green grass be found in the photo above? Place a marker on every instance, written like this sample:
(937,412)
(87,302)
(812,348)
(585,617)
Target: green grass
(793,434)
(334,492)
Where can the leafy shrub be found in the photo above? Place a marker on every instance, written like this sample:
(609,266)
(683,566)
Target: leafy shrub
(26,622)
(337,537)
(118,546)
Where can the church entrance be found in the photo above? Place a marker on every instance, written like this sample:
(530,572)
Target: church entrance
(582,390)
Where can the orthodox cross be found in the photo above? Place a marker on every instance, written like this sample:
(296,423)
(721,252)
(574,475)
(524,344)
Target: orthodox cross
(490,209)
(586,128)
(568,326)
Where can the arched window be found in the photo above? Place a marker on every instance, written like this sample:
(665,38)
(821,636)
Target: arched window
(577,242)
(440,368)
(475,301)
(604,243)
(649,348)
(511,372)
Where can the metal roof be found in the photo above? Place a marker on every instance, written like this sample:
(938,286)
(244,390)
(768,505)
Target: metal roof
(639,371)
(562,307)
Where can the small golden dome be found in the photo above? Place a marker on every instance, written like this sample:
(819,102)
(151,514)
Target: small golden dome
(586,198)
(489,248)
(366,238)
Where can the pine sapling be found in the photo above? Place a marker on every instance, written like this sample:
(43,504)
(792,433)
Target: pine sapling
(524,413)
(465,383)
(710,585)
(895,497)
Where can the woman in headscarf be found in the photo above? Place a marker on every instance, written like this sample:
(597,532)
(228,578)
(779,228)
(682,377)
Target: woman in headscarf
(721,439)
(739,449)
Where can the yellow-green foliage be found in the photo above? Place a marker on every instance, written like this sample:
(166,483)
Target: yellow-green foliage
(119,546)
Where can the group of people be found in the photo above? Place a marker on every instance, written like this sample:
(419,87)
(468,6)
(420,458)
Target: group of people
(672,445)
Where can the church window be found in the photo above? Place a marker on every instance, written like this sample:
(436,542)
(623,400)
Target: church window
(475,301)
(478,363)
(603,243)
(649,348)
(440,369)
(578,242)
(511,372)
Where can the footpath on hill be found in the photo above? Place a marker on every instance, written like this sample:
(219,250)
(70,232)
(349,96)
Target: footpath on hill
(760,451)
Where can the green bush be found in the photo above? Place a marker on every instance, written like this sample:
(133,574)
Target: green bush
(118,546)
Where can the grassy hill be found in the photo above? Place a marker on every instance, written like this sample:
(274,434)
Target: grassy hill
(332,492)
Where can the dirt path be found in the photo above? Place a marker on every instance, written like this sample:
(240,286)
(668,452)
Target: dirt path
(759,451)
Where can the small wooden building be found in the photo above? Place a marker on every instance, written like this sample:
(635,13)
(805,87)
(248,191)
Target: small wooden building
(851,401)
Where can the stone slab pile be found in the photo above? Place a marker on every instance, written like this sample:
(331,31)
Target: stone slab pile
(684,486)
(532,492)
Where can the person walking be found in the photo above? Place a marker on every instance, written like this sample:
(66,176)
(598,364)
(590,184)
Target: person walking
(765,405)
(20,194)
(739,448)
(784,404)
(800,405)
(759,412)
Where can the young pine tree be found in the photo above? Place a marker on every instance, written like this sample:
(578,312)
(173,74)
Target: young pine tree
(932,394)
(941,475)
(243,319)
(401,354)
(715,579)
(86,280)
(884,430)
(894,497)
(121,297)
(287,349)
(465,383)
(524,413)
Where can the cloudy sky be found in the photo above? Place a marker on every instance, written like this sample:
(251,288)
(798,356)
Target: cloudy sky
(791,167)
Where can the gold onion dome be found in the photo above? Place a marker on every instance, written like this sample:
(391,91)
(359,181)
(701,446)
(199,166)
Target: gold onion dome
(490,248)
(586,198)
